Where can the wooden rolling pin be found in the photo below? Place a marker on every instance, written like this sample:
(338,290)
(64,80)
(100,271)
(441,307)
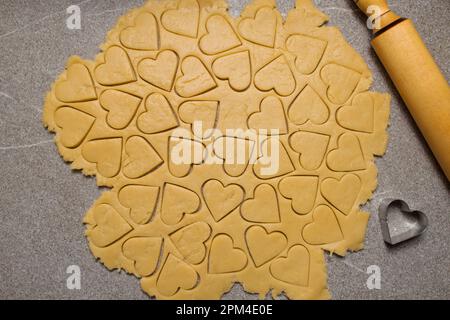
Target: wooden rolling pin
(416,76)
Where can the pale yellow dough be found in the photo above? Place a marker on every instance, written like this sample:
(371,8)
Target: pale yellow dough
(190,231)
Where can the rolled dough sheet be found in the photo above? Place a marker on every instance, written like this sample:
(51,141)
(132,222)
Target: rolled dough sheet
(190,230)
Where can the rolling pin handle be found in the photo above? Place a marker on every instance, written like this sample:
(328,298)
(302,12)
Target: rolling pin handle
(365,4)
(415,74)
(383,13)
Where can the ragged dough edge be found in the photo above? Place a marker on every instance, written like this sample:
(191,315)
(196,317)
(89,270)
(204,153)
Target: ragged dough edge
(108,256)
(383,107)
(73,156)
(356,243)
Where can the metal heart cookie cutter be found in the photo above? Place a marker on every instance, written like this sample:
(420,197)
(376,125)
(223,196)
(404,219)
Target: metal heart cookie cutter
(399,223)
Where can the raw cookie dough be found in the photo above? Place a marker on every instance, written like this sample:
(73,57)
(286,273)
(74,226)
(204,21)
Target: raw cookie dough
(192,230)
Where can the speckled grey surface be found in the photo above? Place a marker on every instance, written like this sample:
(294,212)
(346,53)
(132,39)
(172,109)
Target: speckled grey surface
(42,203)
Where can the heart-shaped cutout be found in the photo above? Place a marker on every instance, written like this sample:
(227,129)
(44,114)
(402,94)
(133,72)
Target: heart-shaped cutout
(117,68)
(141,200)
(183,154)
(161,71)
(141,158)
(144,35)
(263,207)
(159,116)
(176,275)
(178,201)
(220,36)
(190,241)
(222,200)
(308,51)
(75,126)
(261,29)
(399,223)
(277,76)
(204,112)
(236,68)
(293,269)
(109,226)
(274,160)
(308,106)
(270,117)
(359,116)
(77,86)
(195,80)
(311,146)
(301,190)
(264,246)
(341,81)
(121,107)
(106,153)
(145,252)
(224,257)
(236,154)
(342,194)
(184,19)
(348,156)
(324,229)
